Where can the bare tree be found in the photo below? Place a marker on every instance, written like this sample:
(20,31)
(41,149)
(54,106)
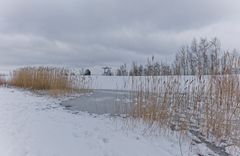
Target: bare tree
(122,71)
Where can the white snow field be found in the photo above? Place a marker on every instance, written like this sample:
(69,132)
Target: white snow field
(34,125)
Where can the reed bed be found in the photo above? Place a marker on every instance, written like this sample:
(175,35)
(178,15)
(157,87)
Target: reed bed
(204,105)
(55,80)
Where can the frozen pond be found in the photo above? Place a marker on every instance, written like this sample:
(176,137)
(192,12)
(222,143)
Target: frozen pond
(101,102)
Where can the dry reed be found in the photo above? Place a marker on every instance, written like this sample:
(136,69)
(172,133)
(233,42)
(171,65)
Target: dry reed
(54,80)
(209,105)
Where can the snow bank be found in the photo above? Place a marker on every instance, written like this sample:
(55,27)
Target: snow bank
(32,125)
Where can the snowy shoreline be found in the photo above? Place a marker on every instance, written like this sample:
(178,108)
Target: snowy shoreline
(32,125)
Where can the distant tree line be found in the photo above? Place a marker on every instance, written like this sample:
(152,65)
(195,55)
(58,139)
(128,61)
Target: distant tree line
(201,57)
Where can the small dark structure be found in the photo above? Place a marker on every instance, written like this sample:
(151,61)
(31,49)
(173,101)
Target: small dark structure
(107,71)
(87,72)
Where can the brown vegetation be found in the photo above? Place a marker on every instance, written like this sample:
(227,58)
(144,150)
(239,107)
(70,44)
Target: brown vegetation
(55,80)
(208,105)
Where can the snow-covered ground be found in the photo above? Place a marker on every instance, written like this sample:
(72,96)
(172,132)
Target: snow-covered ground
(129,82)
(34,125)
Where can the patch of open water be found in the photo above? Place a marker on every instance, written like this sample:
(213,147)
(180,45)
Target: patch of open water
(101,102)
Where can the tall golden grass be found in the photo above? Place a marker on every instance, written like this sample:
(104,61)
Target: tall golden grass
(40,78)
(56,80)
(207,104)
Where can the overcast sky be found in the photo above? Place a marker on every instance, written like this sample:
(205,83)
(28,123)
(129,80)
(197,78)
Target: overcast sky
(105,32)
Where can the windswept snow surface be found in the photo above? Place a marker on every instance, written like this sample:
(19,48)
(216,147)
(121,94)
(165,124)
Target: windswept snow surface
(34,125)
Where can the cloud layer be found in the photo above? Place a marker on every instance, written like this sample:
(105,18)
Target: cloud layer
(101,32)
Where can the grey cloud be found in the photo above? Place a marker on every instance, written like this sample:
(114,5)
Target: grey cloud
(99,32)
